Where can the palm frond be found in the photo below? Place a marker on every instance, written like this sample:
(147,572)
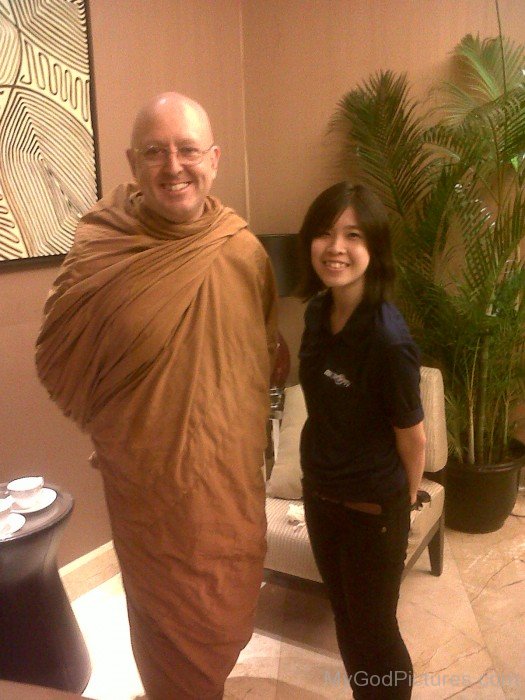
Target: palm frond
(455,191)
(489,69)
(382,138)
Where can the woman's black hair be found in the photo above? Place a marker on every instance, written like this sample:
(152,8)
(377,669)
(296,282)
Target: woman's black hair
(372,218)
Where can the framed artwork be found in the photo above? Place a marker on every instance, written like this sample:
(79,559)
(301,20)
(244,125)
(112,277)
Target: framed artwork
(48,161)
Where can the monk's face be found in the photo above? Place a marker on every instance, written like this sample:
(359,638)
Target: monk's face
(170,133)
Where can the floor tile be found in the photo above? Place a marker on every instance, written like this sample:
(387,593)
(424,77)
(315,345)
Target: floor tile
(103,619)
(465,630)
(311,674)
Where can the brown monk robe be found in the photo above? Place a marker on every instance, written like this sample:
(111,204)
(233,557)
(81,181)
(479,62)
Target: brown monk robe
(159,344)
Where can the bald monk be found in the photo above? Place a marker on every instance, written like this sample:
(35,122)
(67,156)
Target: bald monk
(158,339)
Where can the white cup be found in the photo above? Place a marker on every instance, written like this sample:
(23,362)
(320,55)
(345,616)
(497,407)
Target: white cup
(25,491)
(5,509)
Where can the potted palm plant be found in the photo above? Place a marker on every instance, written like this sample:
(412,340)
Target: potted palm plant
(453,179)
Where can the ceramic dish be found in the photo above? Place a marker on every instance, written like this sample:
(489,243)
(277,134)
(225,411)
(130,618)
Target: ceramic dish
(45,499)
(14,522)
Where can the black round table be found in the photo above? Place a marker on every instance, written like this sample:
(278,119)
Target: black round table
(41,642)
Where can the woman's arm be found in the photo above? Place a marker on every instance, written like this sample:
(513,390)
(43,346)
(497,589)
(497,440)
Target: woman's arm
(410,443)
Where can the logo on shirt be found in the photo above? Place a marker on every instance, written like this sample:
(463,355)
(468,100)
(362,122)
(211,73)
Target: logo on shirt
(338,379)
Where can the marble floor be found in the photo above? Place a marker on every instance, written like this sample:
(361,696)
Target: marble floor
(465,630)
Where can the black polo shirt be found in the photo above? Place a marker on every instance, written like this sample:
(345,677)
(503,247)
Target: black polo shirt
(358,384)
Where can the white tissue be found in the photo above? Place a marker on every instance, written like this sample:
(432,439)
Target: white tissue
(295,514)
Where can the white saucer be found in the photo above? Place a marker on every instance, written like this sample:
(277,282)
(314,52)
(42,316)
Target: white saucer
(45,499)
(14,523)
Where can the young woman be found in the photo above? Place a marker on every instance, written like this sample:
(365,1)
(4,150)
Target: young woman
(363,445)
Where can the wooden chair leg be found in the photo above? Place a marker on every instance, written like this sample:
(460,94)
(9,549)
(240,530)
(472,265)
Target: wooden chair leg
(435,549)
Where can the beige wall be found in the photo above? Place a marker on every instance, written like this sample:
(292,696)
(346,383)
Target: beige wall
(301,56)
(288,62)
(143,47)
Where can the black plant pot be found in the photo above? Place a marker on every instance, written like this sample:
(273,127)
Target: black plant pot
(480,499)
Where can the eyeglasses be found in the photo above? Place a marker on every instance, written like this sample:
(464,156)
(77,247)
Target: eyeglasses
(155,154)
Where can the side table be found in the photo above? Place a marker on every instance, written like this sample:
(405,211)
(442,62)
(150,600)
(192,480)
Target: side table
(41,642)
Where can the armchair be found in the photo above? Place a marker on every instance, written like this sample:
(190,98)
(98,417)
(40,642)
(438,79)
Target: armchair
(289,550)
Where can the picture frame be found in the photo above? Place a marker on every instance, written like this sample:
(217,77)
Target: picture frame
(48,147)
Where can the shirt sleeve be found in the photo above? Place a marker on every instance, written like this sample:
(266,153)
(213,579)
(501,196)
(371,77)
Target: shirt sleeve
(401,377)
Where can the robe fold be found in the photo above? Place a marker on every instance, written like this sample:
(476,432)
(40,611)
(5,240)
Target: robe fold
(158,341)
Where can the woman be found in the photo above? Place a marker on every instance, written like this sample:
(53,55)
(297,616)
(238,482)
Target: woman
(363,445)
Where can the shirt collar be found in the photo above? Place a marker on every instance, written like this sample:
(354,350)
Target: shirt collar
(358,322)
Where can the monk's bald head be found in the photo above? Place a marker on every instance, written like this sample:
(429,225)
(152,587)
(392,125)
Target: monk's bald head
(172,104)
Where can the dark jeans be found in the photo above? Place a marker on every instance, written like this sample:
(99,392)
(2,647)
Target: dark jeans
(361,558)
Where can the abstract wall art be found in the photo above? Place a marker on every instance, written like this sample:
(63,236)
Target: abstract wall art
(48,170)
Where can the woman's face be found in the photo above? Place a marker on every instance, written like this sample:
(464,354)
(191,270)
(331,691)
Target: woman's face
(340,255)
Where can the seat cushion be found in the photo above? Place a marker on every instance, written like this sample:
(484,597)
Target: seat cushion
(289,550)
(285,479)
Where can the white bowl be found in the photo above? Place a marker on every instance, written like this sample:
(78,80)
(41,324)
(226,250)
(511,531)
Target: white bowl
(25,491)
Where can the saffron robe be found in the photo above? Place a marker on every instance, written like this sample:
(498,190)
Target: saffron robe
(158,341)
